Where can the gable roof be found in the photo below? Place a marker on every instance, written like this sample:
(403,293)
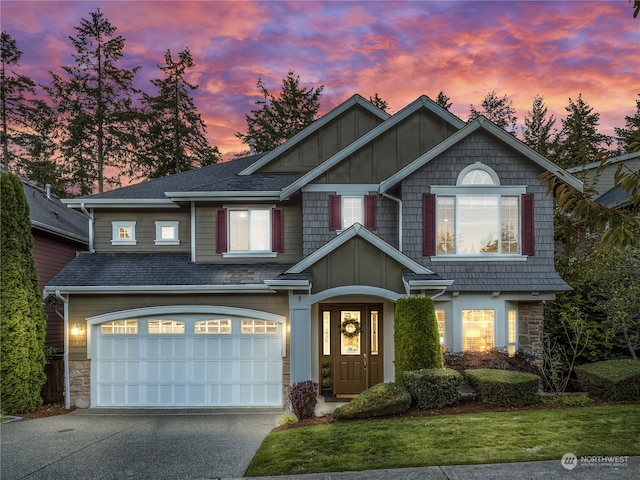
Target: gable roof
(486,125)
(314,127)
(357,230)
(422,102)
(47,213)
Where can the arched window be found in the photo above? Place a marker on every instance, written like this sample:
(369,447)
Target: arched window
(478,174)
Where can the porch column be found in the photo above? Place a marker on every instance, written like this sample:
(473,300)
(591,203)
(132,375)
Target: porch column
(300,338)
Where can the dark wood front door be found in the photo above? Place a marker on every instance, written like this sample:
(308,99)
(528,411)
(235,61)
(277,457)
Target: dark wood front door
(354,336)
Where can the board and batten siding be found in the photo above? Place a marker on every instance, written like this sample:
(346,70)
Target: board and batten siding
(327,141)
(145,229)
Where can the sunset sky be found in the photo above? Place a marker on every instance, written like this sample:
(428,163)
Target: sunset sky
(399,50)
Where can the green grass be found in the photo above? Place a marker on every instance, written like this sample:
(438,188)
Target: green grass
(518,436)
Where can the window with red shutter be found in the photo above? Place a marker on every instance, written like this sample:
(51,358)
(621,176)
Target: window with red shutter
(277,230)
(221,230)
(370,211)
(528,230)
(428,224)
(335,210)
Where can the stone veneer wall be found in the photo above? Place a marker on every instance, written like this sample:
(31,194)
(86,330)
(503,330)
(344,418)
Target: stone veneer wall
(531,327)
(80,376)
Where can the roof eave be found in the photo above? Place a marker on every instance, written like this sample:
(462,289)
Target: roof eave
(270,195)
(59,232)
(119,203)
(137,289)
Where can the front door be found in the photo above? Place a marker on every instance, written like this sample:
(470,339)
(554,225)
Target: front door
(352,341)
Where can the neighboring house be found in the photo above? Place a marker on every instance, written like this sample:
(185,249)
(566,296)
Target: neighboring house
(223,286)
(58,235)
(602,179)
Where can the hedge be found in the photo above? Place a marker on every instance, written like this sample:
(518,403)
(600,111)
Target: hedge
(416,337)
(611,379)
(380,400)
(504,388)
(433,388)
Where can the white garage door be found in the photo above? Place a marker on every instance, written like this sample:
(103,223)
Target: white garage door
(182,361)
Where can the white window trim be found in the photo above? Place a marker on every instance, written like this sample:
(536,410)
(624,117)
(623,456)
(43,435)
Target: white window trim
(114,233)
(167,241)
(342,215)
(249,253)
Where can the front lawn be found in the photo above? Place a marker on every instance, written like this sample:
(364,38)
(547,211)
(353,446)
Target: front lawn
(525,435)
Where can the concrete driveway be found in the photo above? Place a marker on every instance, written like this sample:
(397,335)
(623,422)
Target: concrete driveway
(122,444)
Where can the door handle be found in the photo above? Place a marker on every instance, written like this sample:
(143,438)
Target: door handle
(364,355)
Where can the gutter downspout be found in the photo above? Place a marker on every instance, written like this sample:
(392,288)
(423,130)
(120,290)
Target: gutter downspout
(67,380)
(90,215)
(399,202)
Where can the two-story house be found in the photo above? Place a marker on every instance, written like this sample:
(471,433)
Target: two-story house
(223,286)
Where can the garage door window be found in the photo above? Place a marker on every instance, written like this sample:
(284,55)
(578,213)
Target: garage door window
(259,326)
(213,326)
(120,327)
(165,327)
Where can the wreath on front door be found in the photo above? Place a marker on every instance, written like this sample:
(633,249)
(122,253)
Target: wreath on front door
(350,328)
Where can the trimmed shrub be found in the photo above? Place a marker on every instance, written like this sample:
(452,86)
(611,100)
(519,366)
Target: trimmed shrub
(433,388)
(611,379)
(416,337)
(380,400)
(302,396)
(504,388)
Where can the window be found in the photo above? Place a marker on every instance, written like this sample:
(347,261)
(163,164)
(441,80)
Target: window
(344,211)
(165,327)
(440,319)
(351,211)
(512,332)
(326,333)
(167,233)
(123,233)
(478,217)
(249,231)
(477,330)
(213,326)
(374,333)
(120,327)
(250,326)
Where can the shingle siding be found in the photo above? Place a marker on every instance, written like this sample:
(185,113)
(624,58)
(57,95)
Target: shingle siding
(538,271)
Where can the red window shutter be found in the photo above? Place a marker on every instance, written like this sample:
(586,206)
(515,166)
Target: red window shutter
(277,230)
(370,210)
(335,217)
(221,230)
(428,224)
(527,225)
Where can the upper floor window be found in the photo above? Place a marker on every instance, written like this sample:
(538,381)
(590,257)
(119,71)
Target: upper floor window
(346,210)
(249,231)
(478,217)
(167,233)
(123,233)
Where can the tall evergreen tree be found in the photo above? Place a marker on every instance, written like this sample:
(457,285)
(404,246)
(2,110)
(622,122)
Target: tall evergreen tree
(28,145)
(22,318)
(175,134)
(499,110)
(280,118)
(628,138)
(444,101)
(377,101)
(579,141)
(95,105)
(538,128)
